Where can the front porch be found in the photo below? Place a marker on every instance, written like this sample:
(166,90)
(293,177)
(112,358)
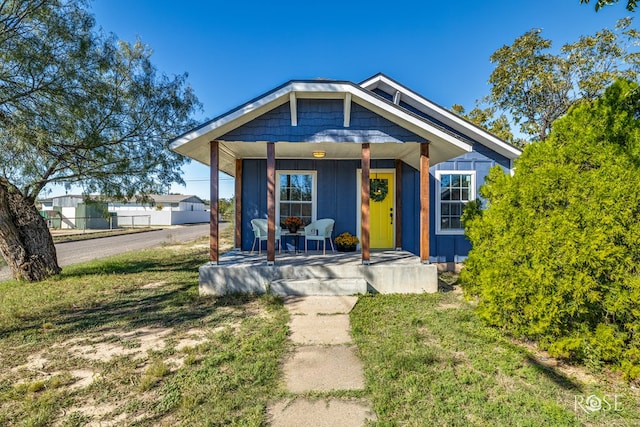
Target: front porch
(334,150)
(316,274)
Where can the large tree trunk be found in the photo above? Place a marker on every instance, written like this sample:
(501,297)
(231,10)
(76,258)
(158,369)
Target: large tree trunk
(25,241)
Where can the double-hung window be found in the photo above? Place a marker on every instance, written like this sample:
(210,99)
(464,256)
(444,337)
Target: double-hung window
(454,190)
(296,196)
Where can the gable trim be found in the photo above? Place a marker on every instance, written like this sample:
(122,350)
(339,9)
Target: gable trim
(293,106)
(347,110)
(428,107)
(318,90)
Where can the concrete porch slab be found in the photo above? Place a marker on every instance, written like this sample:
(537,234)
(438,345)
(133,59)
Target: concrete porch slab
(388,272)
(318,286)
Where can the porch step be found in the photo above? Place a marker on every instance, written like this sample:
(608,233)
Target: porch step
(319,286)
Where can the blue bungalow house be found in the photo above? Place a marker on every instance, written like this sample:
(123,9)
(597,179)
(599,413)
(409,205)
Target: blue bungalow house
(387,164)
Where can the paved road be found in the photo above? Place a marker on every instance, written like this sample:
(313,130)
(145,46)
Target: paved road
(87,250)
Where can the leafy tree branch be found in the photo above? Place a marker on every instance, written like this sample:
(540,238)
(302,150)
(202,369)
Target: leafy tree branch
(77,107)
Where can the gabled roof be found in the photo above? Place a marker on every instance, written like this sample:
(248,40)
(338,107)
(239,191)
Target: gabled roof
(160,198)
(444,144)
(439,114)
(175,198)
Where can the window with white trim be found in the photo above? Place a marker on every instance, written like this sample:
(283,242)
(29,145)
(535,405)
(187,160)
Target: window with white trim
(296,196)
(454,190)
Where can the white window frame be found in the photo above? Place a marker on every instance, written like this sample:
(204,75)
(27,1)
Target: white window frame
(472,196)
(314,190)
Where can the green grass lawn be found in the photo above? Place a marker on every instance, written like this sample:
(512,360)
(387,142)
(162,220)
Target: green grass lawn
(60,236)
(429,361)
(128,340)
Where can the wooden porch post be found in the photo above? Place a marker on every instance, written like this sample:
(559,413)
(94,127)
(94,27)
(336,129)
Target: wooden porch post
(271,203)
(398,204)
(238,206)
(364,209)
(214,255)
(424,203)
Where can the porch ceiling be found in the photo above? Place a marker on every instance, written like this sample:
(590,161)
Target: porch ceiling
(229,151)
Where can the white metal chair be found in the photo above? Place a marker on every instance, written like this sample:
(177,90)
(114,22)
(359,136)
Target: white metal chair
(319,231)
(260,234)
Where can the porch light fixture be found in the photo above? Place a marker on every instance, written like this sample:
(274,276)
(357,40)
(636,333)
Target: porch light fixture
(318,154)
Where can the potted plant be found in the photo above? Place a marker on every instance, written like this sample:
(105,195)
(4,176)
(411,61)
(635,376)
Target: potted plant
(346,242)
(292,223)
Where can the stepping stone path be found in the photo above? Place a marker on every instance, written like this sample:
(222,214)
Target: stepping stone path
(324,360)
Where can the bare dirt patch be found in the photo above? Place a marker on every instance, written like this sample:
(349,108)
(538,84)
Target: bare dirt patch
(449,305)
(193,338)
(93,409)
(175,363)
(154,285)
(455,299)
(135,342)
(35,362)
(253,309)
(103,414)
(191,247)
(84,378)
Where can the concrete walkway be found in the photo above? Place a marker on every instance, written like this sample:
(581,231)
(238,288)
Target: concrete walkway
(324,360)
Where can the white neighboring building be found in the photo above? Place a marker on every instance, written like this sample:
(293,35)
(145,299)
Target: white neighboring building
(171,209)
(75,211)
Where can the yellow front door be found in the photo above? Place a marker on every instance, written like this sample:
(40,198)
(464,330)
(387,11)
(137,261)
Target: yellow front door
(381,214)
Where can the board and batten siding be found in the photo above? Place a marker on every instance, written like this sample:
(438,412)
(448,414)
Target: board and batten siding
(443,247)
(336,191)
(336,196)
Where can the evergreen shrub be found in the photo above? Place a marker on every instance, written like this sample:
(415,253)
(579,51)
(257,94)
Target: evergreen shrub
(556,252)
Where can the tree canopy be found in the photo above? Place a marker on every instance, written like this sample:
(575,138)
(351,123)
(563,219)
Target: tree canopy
(631,4)
(78,107)
(486,118)
(556,253)
(533,85)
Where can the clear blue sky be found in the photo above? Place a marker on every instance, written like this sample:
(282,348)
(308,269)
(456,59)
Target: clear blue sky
(236,50)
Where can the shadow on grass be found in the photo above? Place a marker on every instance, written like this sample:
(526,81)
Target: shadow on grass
(120,265)
(174,303)
(555,376)
(169,309)
(448,281)
(487,336)
(445,287)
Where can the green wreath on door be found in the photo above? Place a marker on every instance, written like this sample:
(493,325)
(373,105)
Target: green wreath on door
(378,189)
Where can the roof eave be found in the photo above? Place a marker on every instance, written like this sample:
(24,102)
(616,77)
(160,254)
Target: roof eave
(481,135)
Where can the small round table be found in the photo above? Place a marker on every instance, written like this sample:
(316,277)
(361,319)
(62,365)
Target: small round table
(295,237)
